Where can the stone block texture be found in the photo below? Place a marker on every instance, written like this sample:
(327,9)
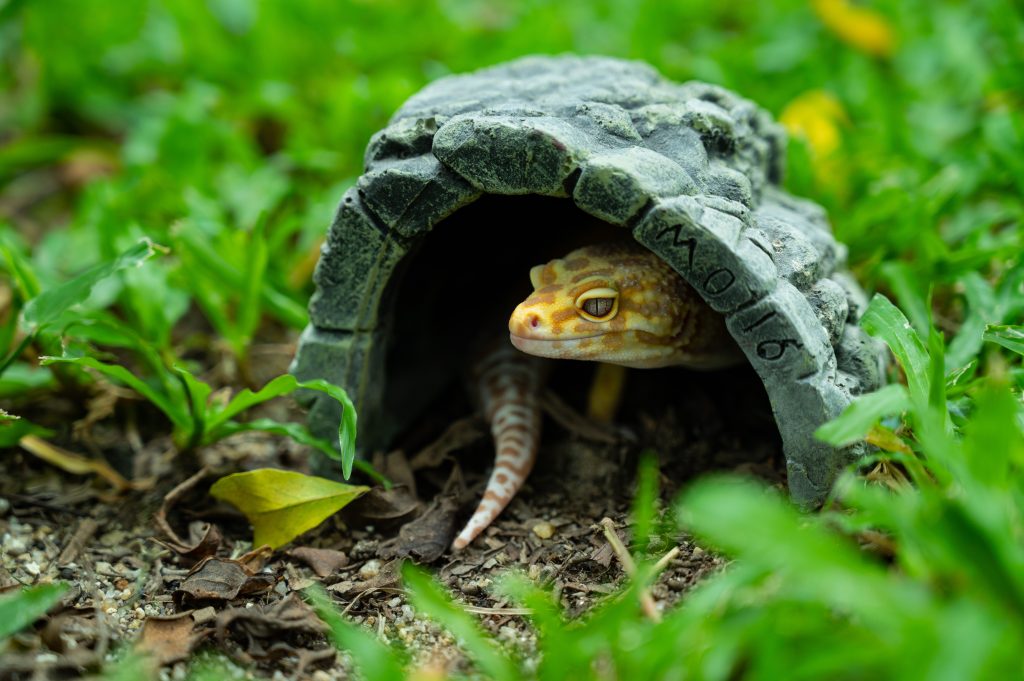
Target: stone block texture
(691,170)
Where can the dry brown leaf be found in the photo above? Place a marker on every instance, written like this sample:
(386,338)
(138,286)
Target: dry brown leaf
(427,537)
(254,560)
(170,639)
(323,561)
(290,614)
(383,507)
(80,465)
(204,538)
(220,579)
(459,435)
(387,578)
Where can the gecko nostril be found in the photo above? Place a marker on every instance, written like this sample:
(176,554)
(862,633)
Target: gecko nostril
(534,321)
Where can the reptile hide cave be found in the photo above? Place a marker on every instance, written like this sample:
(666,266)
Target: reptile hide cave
(480,176)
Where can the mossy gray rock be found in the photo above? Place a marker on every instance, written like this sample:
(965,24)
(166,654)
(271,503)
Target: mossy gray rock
(691,170)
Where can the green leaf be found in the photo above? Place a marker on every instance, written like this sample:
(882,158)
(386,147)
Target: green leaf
(752,523)
(20,609)
(993,441)
(178,412)
(23,276)
(283,385)
(907,284)
(299,433)
(13,428)
(281,505)
(373,658)
(981,305)
(1010,337)
(865,411)
(255,268)
(430,599)
(645,505)
(51,303)
(198,397)
(884,320)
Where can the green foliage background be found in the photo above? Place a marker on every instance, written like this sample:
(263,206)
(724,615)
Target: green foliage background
(226,130)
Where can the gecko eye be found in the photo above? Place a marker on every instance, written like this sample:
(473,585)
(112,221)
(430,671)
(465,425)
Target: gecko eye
(598,304)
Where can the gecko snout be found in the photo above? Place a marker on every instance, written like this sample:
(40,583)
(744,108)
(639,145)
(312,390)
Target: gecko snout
(524,322)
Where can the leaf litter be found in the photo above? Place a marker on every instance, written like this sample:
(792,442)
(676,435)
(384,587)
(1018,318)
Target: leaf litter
(174,572)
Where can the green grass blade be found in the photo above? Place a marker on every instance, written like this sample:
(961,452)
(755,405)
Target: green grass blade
(22,274)
(283,385)
(50,304)
(179,413)
(645,503)
(20,609)
(884,320)
(430,599)
(373,658)
(198,397)
(249,307)
(753,524)
(864,412)
(299,433)
(1008,336)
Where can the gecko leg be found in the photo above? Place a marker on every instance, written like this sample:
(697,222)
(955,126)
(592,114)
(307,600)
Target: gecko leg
(606,392)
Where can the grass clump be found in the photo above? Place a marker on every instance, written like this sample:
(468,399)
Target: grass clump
(167,170)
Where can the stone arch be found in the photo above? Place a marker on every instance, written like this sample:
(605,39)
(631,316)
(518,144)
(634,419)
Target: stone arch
(691,171)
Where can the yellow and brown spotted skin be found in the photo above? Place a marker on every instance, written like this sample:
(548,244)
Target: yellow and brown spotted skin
(615,303)
(656,320)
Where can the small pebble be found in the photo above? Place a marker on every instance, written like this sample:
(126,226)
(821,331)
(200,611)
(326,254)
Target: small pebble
(32,568)
(14,545)
(113,538)
(207,614)
(544,529)
(534,572)
(5,506)
(370,569)
(125,594)
(320,675)
(395,602)
(141,614)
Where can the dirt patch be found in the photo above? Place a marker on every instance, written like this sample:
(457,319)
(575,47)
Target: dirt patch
(205,589)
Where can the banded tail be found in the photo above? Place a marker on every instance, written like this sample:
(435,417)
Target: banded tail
(508,383)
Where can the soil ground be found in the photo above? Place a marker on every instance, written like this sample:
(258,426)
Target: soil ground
(207,590)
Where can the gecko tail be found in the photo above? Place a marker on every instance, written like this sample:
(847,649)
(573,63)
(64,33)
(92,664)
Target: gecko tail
(509,386)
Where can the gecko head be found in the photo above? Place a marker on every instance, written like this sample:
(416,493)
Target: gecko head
(617,303)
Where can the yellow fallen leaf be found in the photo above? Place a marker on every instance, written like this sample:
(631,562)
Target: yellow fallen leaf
(281,505)
(887,441)
(78,464)
(861,27)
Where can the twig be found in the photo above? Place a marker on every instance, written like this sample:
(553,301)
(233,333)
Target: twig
(160,517)
(666,559)
(647,603)
(478,610)
(86,529)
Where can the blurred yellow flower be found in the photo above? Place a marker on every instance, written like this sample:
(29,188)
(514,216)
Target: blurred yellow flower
(861,27)
(815,116)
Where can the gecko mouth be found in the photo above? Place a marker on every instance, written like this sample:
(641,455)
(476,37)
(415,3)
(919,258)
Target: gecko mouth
(558,348)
